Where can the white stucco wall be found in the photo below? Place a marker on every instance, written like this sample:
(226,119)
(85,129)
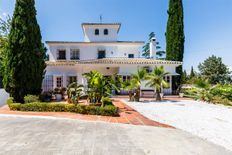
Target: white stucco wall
(90,51)
(3,97)
(90,36)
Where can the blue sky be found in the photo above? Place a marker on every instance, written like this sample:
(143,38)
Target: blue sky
(208,23)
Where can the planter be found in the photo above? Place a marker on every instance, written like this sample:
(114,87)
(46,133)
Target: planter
(58,97)
(161,95)
(181,95)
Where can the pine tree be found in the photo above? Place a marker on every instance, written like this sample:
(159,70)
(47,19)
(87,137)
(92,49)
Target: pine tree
(192,73)
(24,64)
(175,36)
(146,48)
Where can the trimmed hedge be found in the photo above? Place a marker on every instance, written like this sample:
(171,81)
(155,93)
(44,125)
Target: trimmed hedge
(109,110)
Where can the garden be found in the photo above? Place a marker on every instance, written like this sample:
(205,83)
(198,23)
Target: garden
(211,84)
(95,99)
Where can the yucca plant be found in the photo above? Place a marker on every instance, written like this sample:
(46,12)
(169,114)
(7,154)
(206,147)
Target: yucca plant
(156,80)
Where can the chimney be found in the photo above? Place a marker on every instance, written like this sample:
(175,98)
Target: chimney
(153,48)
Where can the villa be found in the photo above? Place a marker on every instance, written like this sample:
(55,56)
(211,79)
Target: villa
(101,51)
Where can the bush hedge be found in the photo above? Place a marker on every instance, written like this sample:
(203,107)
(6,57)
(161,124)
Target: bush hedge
(31,98)
(109,110)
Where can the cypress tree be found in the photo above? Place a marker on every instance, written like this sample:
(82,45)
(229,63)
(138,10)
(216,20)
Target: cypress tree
(175,36)
(24,64)
(192,73)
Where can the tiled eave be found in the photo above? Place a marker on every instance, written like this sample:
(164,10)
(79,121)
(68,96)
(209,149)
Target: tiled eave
(61,63)
(138,61)
(120,61)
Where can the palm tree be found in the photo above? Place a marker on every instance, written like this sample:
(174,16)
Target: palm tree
(128,86)
(136,81)
(74,92)
(99,86)
(203,89)
(156,80)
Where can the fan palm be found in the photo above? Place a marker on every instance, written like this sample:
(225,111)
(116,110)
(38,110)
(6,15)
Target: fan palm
(136,81)
(128,86)
(156,80)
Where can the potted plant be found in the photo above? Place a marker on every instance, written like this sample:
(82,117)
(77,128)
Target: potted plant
(181,92)
(63,92)
(58,94)
(161,95)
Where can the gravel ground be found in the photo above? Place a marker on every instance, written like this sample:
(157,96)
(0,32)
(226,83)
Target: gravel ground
(208,121)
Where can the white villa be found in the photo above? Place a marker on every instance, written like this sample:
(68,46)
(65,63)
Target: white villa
(102,51)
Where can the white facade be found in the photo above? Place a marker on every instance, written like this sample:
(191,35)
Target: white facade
(99,51)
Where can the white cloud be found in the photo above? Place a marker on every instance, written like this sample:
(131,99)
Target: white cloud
(4,14)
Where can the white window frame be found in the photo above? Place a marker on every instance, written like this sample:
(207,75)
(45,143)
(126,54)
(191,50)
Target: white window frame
(61,82)
(74,54)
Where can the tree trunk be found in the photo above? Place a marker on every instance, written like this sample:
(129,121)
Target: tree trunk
(158,97)
(137,95)
(130,95)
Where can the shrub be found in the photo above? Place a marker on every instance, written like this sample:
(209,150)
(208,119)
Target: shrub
(220,100)
(106,101)
(109,110)
(45,96)
(31,98)
(224,91)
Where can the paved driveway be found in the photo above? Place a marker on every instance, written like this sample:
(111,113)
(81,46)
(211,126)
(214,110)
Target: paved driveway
(26,135)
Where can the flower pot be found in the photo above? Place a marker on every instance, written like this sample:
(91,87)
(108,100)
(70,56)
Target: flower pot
(181,95)
(161,95)
(58,97)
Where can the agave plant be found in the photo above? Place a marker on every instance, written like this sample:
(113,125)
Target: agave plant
(156,80)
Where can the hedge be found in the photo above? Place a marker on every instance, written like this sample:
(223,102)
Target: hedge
(109,110)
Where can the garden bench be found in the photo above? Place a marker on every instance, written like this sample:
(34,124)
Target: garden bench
(148,93)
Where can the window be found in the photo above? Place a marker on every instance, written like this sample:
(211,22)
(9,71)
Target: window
(101,54)
(126,78)
(59,82)
(96,31)
(148,69)
(75,54)
(106,32)
(130,55)
(47,84)
(168,79)
(72,79)
(61,55)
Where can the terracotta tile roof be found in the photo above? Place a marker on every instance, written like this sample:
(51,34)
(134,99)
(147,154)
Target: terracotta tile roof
(61,63)
(138,61)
